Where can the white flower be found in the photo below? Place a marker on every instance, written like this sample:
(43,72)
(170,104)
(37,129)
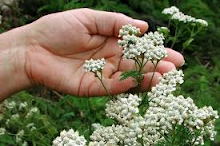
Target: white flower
(22,105)
(69,138)
(31,126)
(31,112)
(24,144)
(94,65)
(202,22)
(183,18)
(10,105)
(96,125)
(180,16)
(15,116)
(163,30)
(19,136)
(2,131)
(172,10)
(150,45)
(156,37)
(114,135)
(155,53)
(123,108)
(176,110)
(129,30)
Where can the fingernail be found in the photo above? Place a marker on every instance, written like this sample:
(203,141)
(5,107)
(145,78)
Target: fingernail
(183,62)
(141,22)
(135,83)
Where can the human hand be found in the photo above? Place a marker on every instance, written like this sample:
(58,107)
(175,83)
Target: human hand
(61,42)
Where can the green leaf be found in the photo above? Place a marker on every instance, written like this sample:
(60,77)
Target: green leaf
(187,42)
(127,74)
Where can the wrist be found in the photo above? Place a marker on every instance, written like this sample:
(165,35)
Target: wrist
(13,45)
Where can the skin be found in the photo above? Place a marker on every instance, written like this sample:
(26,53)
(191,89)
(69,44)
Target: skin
(52,50)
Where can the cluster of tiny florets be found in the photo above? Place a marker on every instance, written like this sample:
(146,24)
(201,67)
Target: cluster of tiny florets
(180,16)
(174,110)
(165,110)
(114,135)
(94,65)
(123,108)
(129,30)
(69,138)
(150,45)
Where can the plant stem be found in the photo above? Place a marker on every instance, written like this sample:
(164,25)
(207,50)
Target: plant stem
(100,79)
(175,37)
(155,67)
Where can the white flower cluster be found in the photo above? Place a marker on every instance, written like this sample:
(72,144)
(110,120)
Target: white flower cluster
(129,30)
(94,65)
(2,131)
(23,105)
(180,16)
(123,108)
(150,45)
(113,135)
(164,112)
(9,105)
(32,112)
(69,138)
(19,136)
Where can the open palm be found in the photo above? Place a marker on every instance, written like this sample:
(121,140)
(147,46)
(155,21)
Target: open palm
(63,41)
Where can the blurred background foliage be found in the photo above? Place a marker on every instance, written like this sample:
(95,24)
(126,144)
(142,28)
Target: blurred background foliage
(202,67)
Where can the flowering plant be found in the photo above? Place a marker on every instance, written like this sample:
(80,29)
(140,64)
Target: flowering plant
(157,117)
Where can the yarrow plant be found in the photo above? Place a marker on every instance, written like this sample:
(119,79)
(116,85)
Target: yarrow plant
(186,27)
(167,118)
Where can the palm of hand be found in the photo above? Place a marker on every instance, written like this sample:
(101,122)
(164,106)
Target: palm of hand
(64,41)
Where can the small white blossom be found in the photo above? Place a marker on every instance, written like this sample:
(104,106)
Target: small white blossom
(24,144)
(31,126)
(19,136)
(15,116)
(9,105)
(150,46)
(183,18)
(114,135)
(180,16)
(163,30)
(172,10)
(32,112)
(22,105)
(129,30)
(94,65)
(202,22)
(123,108)
(69,138)
(2,131)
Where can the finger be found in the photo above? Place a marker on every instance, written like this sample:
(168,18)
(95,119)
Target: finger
(162,66)
(106,23)
(150,79)
(175,57)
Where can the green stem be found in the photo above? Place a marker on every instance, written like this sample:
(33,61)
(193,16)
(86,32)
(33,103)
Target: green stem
(175,36)
(155,67)
(100,79)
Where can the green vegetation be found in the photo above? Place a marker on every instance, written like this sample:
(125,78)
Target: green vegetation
(59,111)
